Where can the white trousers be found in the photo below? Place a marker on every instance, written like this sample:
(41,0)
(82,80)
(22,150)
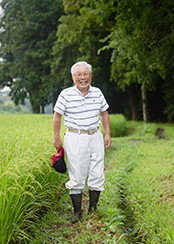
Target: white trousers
(85,161)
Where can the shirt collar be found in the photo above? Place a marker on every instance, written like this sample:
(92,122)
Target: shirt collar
(80,91)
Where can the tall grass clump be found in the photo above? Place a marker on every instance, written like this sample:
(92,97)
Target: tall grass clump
(28,184)
(118,125)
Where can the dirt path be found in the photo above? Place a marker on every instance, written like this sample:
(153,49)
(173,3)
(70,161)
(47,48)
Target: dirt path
(90,229)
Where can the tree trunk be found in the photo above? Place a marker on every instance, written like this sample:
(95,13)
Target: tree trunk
(133,107)
(133,113)
(144,103)
(43,109)
(132,100)
(35,108)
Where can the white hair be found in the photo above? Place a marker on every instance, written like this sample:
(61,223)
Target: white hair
(80,63)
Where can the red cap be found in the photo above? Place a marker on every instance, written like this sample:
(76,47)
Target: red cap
(57,155)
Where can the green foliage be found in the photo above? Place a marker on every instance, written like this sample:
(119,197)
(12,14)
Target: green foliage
(118,125)
(129,44)
(144,129)
(136,40)
(27,36)
(141,41)
(150,191)
(136,205)
(29,186)
(139,173)
(10,107)
(169,99)
(78,38)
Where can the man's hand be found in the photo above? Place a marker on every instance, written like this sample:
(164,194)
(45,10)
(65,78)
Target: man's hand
(106,125)
(57,143)
(107,141)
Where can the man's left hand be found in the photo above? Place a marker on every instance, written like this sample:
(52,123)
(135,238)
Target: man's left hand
(107,141)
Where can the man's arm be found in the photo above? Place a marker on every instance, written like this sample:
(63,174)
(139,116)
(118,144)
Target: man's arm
(106,124)
(56,128)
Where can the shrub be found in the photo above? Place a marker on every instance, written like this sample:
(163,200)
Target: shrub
(118,125)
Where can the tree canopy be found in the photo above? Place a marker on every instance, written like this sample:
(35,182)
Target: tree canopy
(27,36)
(135,38)
(142,42)
(129,44)
(78,38)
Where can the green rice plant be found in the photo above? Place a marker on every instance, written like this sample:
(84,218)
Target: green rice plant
(136,206)
(137,203)
(28,184)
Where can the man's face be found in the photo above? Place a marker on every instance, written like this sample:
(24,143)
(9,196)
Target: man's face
(82,78)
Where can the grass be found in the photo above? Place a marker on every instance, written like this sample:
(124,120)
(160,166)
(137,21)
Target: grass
(131,208)
(118,125)
(148,173)
(136,206)
(152,194)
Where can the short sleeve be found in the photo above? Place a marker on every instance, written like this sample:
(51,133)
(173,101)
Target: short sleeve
(104,104)
(60,105)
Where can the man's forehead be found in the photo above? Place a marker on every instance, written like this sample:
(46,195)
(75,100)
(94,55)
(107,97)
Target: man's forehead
(81,67)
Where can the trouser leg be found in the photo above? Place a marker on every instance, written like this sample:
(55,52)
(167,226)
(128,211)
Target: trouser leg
(76,201)
(96,170)
(78,158)
(93,200)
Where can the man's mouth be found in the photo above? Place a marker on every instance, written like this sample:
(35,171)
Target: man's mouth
(83,82)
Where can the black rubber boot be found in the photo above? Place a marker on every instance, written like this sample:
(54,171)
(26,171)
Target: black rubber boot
(76,201)
(93,199)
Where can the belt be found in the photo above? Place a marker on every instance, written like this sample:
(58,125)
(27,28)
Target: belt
(89,132)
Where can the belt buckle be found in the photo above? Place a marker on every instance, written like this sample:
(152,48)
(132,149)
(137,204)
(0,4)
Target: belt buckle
(90,132)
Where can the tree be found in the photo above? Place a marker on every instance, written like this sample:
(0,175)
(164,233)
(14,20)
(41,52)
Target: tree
(27,37)
(142,43)
(79,35)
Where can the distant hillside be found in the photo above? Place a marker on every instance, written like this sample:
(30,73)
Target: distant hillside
(8,106)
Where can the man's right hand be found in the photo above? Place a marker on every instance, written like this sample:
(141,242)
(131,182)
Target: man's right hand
(57,143)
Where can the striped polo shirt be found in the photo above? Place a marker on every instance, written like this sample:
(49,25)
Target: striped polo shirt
(81,112)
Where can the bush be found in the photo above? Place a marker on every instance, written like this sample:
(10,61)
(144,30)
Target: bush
(118,125)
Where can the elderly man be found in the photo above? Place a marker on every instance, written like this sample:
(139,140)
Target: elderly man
(81,106)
